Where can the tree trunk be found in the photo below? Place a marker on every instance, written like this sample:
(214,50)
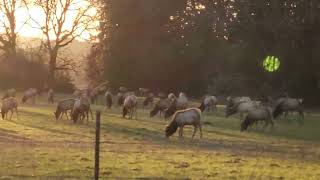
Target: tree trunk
(52,68)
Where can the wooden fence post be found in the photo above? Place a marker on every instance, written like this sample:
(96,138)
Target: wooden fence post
(97,147)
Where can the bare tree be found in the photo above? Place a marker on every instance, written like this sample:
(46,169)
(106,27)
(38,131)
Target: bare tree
(8,25)
(65,20)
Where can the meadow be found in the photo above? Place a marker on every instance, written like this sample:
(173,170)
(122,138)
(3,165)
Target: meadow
(36,146)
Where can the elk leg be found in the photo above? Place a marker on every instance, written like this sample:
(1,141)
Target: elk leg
(200,128)
(62,114)
(17,113)
(180,132)
(87,113)
(91,114)
(11,111)
(66,113)
(194,131)
(301,114)
(135,110)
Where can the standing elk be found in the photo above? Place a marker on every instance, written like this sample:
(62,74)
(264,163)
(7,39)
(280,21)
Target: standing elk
(9,104)
(108,99)
(210,103)
(130,106)
(50,96)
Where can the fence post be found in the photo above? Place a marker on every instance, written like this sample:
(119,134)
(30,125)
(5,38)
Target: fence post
(97,146)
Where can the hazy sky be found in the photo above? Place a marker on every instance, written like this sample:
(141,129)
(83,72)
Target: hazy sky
(31,28)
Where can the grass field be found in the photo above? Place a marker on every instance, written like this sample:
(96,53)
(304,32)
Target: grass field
(38,147)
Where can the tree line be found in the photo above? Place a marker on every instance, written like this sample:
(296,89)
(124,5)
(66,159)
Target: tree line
(202,46)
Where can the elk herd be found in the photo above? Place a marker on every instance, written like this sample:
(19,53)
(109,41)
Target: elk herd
(179,108)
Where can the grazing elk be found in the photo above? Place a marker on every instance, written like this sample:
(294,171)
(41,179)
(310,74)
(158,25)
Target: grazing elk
(81,109)
(123,89)
(235,100)
(172,97)
(148,100)
(210,103)
(291,105)
(191,116)
(30,93)
(108,99)
(9,104)
(122,96)
(143,91)
(241,107)
(162,95)
(9,93)
(266,113)
(130,106)
(179,103)
(50,96)
(160,107)
(63,107)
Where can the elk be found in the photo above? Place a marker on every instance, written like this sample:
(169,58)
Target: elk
(50,96)
(160,107)
(108,99)
(130,106)
(81,109)
(30,93)
(63,107)
(181,118)
(9,104)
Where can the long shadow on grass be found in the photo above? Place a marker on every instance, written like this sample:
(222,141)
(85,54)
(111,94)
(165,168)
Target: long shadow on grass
(44,128)
(206,144)
(141,133)
(9,135)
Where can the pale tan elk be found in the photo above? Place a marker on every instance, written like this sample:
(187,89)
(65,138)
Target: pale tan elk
(181,118)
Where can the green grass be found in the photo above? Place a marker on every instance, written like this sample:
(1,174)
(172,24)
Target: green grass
(38,147)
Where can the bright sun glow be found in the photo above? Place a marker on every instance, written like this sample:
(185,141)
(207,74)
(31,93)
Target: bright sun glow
(31,28)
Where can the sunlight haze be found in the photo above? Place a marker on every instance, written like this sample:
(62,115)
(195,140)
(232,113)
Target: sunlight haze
(29,27)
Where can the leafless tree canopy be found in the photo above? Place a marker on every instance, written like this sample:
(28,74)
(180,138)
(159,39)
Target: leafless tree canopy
(58,33)
(9,31)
